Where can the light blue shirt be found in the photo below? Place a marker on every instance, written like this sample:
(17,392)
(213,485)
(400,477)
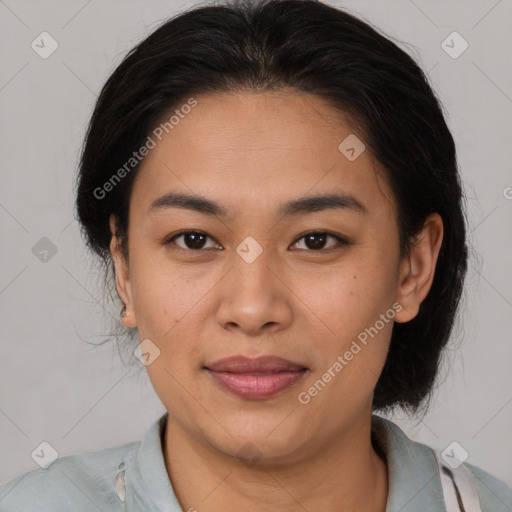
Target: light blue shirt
(86,482)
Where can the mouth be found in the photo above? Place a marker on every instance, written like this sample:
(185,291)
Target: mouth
(257,378)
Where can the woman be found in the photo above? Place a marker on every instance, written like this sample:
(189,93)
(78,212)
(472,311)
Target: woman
(277,190)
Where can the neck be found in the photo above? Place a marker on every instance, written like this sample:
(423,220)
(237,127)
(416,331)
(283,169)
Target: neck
(340,474)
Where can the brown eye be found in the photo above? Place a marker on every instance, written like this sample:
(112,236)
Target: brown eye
(317,240)
(192,240)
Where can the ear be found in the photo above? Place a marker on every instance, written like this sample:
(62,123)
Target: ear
(122,273)
(417,269)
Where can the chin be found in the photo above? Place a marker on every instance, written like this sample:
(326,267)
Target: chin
(261,442)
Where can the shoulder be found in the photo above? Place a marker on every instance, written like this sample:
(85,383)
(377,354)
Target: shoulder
(414,472)
(85,481)
(495,494)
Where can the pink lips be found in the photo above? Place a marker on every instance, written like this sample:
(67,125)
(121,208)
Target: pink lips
(260,377)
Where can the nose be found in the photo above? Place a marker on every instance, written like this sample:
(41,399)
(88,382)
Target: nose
(255,299)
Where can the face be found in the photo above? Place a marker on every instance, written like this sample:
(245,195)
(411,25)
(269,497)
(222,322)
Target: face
(262,268)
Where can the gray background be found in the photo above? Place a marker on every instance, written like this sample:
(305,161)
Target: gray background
(55,387)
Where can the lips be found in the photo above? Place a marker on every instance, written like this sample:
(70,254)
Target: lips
(262,364)
(255,378)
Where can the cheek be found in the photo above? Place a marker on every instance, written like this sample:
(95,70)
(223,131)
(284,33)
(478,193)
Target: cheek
(355,304)
(351,296)
(170,306)
(165,294)
(350,361)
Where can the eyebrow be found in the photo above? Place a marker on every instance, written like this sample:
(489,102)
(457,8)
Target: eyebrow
(309,204)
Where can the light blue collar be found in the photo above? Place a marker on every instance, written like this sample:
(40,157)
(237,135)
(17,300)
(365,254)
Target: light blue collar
(147,482)
(414,482)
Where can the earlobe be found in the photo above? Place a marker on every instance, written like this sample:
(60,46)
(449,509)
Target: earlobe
(122,276)
(417,270)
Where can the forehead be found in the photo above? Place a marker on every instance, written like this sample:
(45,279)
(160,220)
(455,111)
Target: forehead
(253,150)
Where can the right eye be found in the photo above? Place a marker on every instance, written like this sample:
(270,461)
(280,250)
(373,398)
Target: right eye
(192,240)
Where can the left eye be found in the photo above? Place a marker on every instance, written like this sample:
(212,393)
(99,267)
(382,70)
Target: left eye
(316,240)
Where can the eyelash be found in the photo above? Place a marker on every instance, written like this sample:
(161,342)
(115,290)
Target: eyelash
(341,240)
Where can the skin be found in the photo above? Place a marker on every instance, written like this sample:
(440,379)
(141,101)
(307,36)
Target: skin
(251,153)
